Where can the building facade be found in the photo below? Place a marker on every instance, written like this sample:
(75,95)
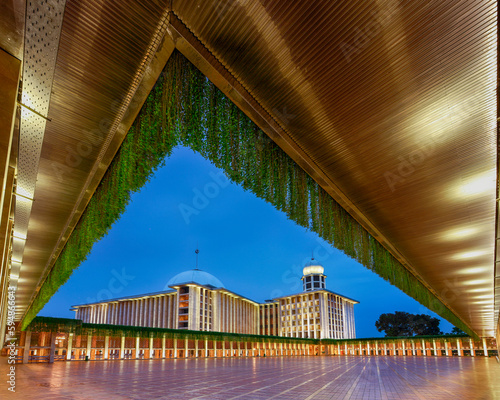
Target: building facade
(199,301)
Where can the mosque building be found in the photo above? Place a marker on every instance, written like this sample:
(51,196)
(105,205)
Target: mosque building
(199,301)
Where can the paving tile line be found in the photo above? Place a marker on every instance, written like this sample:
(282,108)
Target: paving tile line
(383,395)
(415,392)
(303,383)
(438,373)
(458,382)
(278,373)
(262,380)
(286,380)
(331,382)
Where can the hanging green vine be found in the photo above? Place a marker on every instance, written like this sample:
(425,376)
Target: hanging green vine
(185,108)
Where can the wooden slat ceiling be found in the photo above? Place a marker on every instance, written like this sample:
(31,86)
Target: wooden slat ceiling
(392,104)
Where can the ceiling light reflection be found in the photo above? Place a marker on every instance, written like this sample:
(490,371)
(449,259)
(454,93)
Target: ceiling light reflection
(459,233)
(469,254)
(477,185)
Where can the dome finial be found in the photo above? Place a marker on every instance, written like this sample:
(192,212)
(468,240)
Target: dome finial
(197,252)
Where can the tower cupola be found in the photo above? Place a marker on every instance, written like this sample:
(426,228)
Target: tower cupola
(313,277)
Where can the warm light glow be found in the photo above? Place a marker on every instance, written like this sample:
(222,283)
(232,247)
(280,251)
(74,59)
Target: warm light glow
(473,270)
(19,235)
(478,290)
(477,185)
(455,234)
(313,269)
(476,282)
(484,296)
(469,254)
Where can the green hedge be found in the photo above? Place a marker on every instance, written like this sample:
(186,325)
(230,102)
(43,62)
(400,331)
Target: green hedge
(185,108)
(76,326)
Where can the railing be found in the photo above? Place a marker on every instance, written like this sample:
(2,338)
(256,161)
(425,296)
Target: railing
(37,359)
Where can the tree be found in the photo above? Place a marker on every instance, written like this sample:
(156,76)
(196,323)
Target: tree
(457,331)
(397,324)
(405,324)
(423,324)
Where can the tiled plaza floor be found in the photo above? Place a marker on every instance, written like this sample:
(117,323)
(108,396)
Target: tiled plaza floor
(371,378)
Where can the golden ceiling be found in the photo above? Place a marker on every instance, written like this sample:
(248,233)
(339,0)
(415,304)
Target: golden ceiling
(390,105)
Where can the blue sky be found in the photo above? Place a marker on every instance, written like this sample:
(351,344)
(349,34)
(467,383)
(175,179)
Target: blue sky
(251,247)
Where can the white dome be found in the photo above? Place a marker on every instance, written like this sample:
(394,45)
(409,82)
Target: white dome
(313,267)
(195,276)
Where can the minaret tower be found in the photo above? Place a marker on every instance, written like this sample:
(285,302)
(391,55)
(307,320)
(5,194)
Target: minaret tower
(313,278)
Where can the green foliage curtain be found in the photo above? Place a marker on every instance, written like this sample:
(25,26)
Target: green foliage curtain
(185,108)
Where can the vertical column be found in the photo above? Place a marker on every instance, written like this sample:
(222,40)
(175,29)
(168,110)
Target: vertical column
(186,347)
(175,348)
(368,351)
(206,347)
(52,347)
(376,348)
(155,314)
(223,348)
(459,348)
(424,351)
(196,347)
(27,344)
(137,339)
(446,348)
(163,313)
(151,347)
(413,348)
(472,351)
(434,346)
(485,347)
(89,346)
(106,347)
(122,347)
(394,348)
(385,349)
(163,349)
(231,349)
(404,347)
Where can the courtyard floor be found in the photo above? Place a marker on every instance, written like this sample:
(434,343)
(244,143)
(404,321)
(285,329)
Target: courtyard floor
(371,378)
